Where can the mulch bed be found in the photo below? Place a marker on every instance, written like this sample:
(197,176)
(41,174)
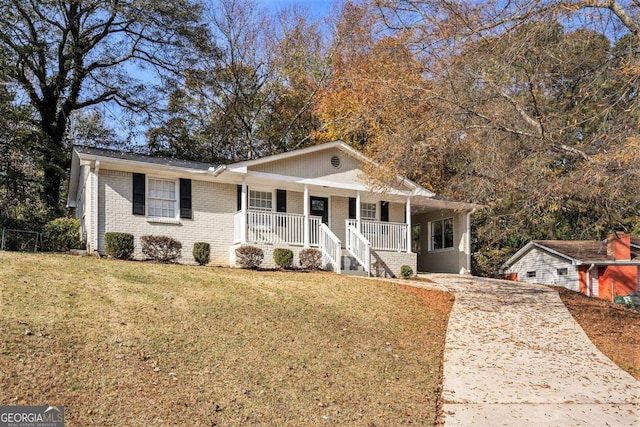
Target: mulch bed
(613,328)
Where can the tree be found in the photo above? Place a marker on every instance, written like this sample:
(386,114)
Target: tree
(67,55)
(375,95)
(535,111)
(89,128)
(20,178)
(253,98)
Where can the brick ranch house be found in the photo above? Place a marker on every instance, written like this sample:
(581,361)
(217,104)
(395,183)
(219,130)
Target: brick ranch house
(604,269)
(313,197)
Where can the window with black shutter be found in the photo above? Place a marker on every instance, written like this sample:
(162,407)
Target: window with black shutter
(239,197)
(384,211)
(185,198)
(138,193)
(352,208)
(281,200)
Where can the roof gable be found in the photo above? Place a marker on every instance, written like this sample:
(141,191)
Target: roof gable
(317,162)
(331,165)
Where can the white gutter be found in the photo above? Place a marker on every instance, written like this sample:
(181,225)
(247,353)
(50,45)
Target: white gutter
(140,164)
(609,263)
(589,284)
(96,170)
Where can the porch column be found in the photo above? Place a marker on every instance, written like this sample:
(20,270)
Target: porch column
(96,208)
(408,215)
(306,217)
(358,220)
(243,209)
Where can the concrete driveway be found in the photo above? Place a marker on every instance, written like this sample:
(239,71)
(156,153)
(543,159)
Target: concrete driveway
(514,356)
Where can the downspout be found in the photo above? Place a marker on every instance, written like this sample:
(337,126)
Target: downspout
(96,170)
(409,224)
(589,284)
(468,240)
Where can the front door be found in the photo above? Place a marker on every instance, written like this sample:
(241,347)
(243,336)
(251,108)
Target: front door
(320,207)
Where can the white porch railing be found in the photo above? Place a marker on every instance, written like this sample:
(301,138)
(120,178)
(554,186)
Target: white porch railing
(314,230)
(276,228)
(384,236)
(359,247)
(331,248)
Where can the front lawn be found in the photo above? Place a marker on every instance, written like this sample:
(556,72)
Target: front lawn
(133,343)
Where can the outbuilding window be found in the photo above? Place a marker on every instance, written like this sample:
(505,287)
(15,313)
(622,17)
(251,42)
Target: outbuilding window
(563,271)
(531,274)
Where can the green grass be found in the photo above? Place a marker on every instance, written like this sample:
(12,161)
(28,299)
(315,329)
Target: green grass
(132,343)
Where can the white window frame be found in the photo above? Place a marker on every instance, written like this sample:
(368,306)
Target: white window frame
(431,236)
(259,208)
(531,274)
(176,201)
(368,207)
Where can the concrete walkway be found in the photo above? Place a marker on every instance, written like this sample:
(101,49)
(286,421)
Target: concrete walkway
(514,356)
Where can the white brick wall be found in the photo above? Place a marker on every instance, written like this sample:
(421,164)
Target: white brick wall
(393,261)
(396,212)
(295,202)
(213,207)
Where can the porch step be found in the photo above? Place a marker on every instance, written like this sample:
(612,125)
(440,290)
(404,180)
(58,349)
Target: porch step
(350,266)
(354,273)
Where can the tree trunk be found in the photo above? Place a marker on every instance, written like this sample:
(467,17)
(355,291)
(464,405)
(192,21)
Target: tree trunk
(54,161)
(51,187)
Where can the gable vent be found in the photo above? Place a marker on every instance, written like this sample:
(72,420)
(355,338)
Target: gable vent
(335,162)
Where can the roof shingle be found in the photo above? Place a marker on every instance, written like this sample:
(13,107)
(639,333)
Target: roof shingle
(123,155)
(586,250)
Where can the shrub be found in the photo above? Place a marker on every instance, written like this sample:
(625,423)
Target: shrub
(62,234)
(161,248)
(249,257)
(406,272)
(201,252)
(119,245)
(310,259)
(283,257)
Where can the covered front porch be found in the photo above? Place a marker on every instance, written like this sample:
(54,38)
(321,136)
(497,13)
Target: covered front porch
(320,197)
(333,224)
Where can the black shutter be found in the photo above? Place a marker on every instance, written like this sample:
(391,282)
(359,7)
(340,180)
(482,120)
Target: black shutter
(185,198)
(281,200)
(384,211)
(138,193)
(352,208)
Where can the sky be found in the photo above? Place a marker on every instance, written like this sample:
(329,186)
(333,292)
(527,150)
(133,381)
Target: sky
(317,8)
